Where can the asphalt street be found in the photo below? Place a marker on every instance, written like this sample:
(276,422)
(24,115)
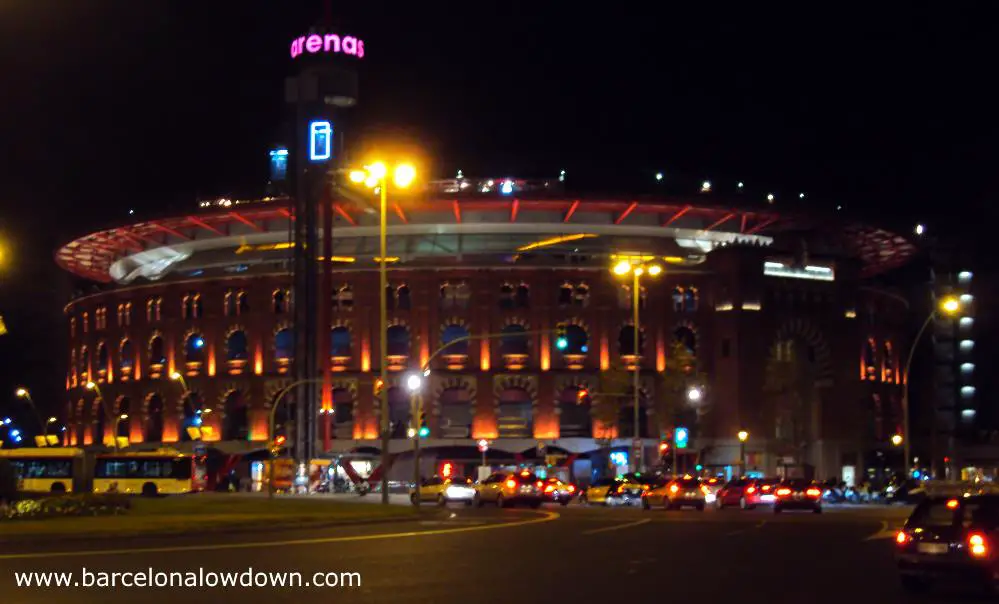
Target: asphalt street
(573,554)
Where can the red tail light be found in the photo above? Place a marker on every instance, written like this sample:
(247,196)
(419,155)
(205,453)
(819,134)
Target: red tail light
(674,488)
(813,492)
(511,483)
(952,504)
(783,492)
(645,487)
(750,490)
(549,488)
(704,489)
(766,488)
(539,484)
(902,538)
(977,545)
(572,489)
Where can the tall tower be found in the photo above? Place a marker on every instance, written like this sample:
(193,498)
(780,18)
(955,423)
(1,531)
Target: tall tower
(324,83)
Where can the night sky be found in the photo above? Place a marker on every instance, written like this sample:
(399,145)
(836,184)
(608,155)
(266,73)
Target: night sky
(152,104)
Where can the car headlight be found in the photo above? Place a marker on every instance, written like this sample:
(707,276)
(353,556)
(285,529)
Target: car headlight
(709,497)
(456,491)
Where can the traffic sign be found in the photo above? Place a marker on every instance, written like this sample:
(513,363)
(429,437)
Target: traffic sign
(680,437)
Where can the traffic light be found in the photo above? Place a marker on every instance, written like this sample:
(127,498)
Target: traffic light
(277,444)
(561,341)
(680,437)
(582,394)
(663,448)
(424,428)
(378,386)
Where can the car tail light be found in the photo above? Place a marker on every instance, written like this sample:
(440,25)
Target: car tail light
(750,490)
(902,538)
(674,488)
(783,492)
(511,483)
(704,489)
(952,504)
(549,488)
(813,492)
(645,487)
(571,489)
(766,488)
(539,484)
(977,545)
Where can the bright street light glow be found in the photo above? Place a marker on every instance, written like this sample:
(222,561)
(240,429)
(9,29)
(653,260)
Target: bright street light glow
(413,382)
(743,436)
(176,376)
(404,175)
(920,229)
(358,176)
(52,420)
(706,186)
(896,439)
(659,175)
(655,269)
(694,394)
(91,385)
(411,433)
(622,267)
(123,416)
(21,392)
(770,197)
(950,305)
(371,182)
(377,170)
(741,184)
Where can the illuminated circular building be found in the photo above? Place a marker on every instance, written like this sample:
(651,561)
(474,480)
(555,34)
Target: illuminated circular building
(774,314)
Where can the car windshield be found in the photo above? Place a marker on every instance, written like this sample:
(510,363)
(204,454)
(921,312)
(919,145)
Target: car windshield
(689,483)
(796,483)
(458,480)
(526,478)
(935,514)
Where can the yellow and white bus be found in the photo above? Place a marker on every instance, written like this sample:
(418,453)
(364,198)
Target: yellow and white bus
(160,472)
(47,469)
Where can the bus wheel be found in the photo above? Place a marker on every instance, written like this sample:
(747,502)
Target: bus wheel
(58,487)
(149,490)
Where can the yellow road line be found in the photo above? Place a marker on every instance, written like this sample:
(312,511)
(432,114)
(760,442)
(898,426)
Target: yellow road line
(616,527)
(883,533)
(547,517)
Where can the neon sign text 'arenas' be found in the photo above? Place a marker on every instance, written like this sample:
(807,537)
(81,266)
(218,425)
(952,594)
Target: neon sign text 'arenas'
(316,43)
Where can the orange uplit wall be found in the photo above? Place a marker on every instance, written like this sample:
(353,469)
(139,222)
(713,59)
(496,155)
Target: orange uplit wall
(258,358)
(660,352)
(365,354)
(484,361)
(603,430)
(604,353)
(170,434)
(258,424)
(211,360)
(171,367)
(546,361)
(135,434)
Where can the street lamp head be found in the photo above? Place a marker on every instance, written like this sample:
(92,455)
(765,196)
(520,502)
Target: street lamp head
(91,385)
(123,416)
(371,182)
(377,170)
(694,394)
(52,420)
(639,270)
(21,393)
(404,175)
(411,433)
(950,305)
(413,382)
(622,268)
(655,270)
(743,436)
(358,176)
(176,376)
(896,439)
(205,411)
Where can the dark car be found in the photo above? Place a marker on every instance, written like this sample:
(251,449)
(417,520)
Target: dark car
(798,494)
(950,539)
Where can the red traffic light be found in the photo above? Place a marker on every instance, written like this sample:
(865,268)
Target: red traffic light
(582,393)
(663,447)
(280,440)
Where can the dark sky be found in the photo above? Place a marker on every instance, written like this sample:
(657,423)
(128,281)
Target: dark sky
(110,105)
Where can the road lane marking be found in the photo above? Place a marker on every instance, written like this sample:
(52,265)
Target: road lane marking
(885,532)
(757,526)
(546,517)
(616,527)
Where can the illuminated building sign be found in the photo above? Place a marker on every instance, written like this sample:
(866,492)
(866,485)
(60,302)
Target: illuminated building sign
(320,140)
(327,43)
(279,164)
(773,268)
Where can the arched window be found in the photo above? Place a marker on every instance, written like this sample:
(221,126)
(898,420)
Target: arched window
(72,327)
(888,373)
(124,425)
(236,423)
(624,301)
(154,418)
(450,334)
(626,341)
(242,303)
(506,296)
(127,352)
(73,367)
(99,415)
(513,340)
(157,351)
(514,417)
(191,306)
(340,341)
(522,297)
(85,364)
(575,419)
(455,420)
(85,320)
(236,346)
(403,301)
(389,297)
(153,309)
(284,344)
(194,348)
(343,298)
(678,299)
(229,307)
(565,292)
(577,340)
(581,297)
(399,412)
(280,301)
(455,296)
(690,299)
(626,416)
(103,360)
(398,340)
(343,413)
(869,361)
(686,336)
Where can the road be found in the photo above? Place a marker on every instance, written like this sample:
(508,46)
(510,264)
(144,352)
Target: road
(573,554)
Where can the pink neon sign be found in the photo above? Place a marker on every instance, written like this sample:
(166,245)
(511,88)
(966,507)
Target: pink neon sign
(316,43)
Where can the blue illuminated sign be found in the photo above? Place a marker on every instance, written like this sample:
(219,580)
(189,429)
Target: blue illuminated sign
(320,140)
(680,436)
(619,458)
(279,164)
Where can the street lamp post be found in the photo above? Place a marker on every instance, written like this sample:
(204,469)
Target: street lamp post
(270,425)
(413,384)
(23,393)
(117,422)
(950,307)
(374,175)
(743,437)
(637,269)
